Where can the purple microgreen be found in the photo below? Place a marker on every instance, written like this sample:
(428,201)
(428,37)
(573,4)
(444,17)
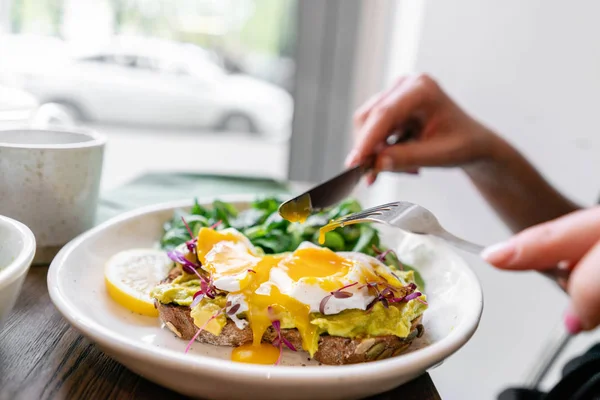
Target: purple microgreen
(341,295)
(277,325)
(208,288)
(420,300)
(381,257)
(412,296)
(251,270)
(369,285)
(279,341)
(190,244)
(233,309)
(385,302)
(347,286)
(190,270)
(288,344)
(395,276)
(213,226)
(228,304)
(338,294)
(198,296)
(372,303)
(324,303)
(188,266)
(188,228)
(375,286)
(215,315)
(387,294)
(376,249)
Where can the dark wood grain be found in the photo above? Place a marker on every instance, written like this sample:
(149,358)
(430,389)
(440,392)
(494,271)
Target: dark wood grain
(42,357)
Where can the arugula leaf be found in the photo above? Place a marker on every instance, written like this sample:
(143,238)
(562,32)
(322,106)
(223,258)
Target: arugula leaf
(368,238)
(248,218)
(346,207)
(197,209)
(276,242)
(173,238)
(268,204)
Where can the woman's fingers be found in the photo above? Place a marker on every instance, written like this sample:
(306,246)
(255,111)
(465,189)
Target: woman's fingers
(574,239)
(442,150)
(360,116)
(584,289)
(543,246)
(395,109)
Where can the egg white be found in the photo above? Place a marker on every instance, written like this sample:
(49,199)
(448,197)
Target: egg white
(236,255)
(241,300)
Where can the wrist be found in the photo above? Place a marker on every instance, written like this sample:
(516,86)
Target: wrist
(492,152)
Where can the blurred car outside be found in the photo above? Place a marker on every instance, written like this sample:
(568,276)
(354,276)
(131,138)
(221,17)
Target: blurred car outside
(141,81)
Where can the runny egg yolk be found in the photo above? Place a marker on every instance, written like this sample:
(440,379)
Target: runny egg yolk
(296,210)
(328,228)
(228,254)
(263,353)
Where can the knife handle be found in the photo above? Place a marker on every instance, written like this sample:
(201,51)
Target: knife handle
(409,132)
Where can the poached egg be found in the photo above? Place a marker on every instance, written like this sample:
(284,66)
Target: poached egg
(287,286)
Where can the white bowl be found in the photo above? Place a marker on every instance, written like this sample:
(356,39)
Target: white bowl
(76,286)
(17,249)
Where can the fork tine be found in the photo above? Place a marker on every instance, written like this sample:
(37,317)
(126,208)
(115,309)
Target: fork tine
(377,210)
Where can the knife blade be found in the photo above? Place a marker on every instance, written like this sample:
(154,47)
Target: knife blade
(336,189)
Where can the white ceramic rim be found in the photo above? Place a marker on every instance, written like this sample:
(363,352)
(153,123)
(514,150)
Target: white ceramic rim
(419,360)
(96,139)
(25,256)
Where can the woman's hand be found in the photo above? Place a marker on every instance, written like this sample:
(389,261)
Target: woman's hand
(573,239)
(448,136)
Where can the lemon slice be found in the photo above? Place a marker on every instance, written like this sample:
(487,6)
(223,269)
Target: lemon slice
(130,276)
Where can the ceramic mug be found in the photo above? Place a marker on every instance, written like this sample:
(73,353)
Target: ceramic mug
(49,180)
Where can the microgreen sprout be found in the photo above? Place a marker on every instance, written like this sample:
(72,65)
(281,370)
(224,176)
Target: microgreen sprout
(279,341)
(338,294)
(215,315)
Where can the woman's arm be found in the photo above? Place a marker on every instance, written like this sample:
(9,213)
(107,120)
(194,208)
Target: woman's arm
(515,189)
(450,137)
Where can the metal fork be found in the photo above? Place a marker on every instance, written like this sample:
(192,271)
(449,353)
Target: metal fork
(413,218)
(416,219)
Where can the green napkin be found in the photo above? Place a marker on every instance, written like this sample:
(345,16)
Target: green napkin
(156,188)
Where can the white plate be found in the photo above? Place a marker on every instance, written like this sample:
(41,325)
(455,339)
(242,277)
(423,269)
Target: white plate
(76,286)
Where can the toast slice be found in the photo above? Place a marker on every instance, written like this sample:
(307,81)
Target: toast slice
(333,350)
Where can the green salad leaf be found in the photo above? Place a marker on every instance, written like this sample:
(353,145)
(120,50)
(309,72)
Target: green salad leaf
(267,230)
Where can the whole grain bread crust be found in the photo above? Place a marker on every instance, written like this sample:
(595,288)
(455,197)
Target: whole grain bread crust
(333,350)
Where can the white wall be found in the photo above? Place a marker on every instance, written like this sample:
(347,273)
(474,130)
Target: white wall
(531,70)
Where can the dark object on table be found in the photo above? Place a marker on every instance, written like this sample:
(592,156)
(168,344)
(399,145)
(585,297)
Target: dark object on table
(580,381)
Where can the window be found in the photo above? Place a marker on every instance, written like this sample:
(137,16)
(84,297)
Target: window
(240,85)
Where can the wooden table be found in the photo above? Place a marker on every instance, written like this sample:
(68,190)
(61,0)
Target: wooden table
(42,357)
